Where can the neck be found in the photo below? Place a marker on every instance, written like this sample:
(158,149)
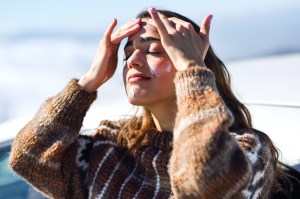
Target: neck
(163,115)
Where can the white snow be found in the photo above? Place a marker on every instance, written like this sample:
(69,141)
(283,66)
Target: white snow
(270,87)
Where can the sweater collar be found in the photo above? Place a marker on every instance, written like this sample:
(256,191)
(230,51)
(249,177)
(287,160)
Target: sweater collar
(162,140)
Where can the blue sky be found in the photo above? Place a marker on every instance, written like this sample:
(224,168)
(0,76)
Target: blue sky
(90,15)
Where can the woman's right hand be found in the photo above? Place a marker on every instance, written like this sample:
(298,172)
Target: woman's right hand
(105,62)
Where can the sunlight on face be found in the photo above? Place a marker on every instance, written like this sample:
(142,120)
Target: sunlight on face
(148,73)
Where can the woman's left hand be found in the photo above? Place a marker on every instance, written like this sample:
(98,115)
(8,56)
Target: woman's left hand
(182,43)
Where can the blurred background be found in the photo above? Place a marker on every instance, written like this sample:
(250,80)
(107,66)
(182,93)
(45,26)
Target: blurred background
(43,44)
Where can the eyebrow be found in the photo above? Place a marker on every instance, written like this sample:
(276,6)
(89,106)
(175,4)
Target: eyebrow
(142,40)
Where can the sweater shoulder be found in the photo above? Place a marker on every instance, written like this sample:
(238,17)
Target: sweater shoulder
(251,138)
(256,145)
(107,130)
(260,152)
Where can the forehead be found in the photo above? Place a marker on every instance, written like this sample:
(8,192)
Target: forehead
(147,30)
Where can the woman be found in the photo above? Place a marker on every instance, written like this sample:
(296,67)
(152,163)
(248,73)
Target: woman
(194,139)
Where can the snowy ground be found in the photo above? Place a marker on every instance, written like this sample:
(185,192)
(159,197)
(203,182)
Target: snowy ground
(270,86)
(34,69)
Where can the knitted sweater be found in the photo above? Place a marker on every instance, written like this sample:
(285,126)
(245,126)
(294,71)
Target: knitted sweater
(200,159)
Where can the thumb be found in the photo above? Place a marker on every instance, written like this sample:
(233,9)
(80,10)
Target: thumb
(108,32)
(205,27)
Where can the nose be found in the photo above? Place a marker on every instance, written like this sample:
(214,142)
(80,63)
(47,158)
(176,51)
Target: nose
(136,59)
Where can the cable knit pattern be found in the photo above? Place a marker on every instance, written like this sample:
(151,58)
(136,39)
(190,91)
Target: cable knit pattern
(200,159)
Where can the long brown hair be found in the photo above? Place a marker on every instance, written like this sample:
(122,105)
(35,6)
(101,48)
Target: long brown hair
(136,129)
(136,133)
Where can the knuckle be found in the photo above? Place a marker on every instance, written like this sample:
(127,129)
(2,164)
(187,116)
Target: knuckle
(190,26)
(180,27)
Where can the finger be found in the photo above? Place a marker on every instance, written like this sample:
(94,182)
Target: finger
(205,27)
(175,21)
(151,22)
(162,30)
(168,24)
(108,32)
(126,30)
(130,24)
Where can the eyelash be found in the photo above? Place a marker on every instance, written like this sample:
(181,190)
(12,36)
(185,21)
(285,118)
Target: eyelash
(151,53)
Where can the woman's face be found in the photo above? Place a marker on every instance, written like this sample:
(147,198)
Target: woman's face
(148,73)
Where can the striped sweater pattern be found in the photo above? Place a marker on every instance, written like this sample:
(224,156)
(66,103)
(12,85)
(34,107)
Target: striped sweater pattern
(200,159)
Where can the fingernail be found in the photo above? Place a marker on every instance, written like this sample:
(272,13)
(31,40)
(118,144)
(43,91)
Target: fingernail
(210,17)
(153,10)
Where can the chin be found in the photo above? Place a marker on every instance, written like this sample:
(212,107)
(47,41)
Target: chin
(135,102)
(139,101)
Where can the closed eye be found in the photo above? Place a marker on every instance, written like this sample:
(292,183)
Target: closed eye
(154,53)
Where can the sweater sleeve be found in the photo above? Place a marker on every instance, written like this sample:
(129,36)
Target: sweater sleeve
(207,161)
(41,151)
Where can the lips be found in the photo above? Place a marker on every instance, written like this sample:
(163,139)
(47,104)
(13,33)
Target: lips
(137,77)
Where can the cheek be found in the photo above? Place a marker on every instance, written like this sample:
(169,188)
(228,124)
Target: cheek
(159,67)
(131,92)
